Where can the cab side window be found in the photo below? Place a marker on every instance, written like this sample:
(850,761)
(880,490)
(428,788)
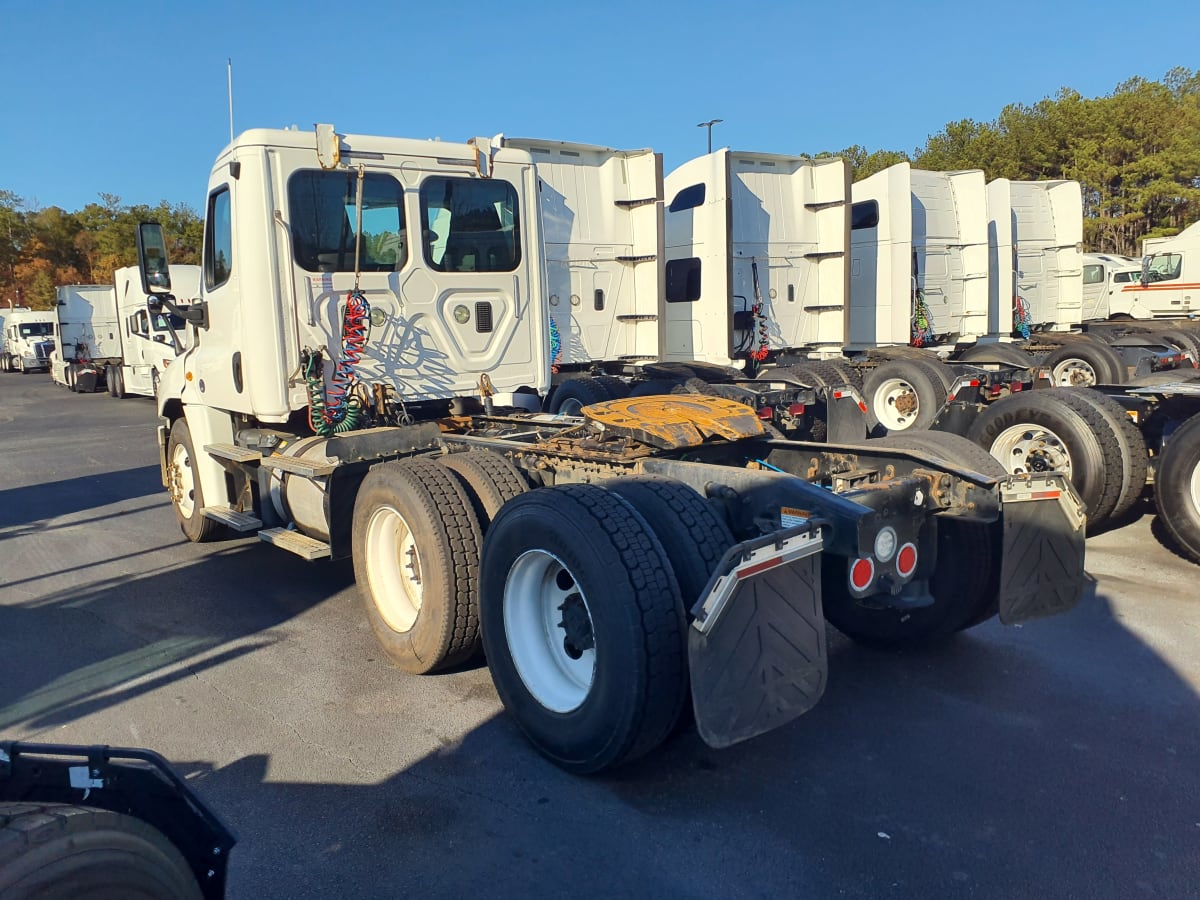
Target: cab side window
(218,239)
(1093,274)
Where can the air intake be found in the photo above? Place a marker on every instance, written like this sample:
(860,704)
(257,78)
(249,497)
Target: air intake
(483,317)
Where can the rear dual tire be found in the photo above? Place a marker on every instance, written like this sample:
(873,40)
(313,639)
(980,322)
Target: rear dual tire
(1177,488)
(583,626)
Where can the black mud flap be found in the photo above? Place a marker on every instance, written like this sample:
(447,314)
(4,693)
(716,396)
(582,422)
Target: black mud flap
(1042,572)
(756,649)
(847,413)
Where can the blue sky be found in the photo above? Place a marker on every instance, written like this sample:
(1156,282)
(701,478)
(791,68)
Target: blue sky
(130,98)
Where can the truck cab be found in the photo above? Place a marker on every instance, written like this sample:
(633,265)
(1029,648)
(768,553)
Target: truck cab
(28,341)
(1104,277)
(1168,284)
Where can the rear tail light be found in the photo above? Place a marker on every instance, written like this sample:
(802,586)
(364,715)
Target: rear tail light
(1016,386)
(767,412)
(906,560)
(862,573)
(796,409)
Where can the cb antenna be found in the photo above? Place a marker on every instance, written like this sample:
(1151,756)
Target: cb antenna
(229,70)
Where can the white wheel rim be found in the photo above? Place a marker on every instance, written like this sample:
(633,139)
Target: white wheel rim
(1074,373)
(896,404)
(1024,449)
(183,489)
(571,407)
(394,569)
(556,665)
(1195,489)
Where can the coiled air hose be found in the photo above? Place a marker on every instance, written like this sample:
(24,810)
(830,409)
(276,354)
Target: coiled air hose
(338,409)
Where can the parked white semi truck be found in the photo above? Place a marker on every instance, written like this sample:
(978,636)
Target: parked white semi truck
(106,338)
(28,341)
(372,328)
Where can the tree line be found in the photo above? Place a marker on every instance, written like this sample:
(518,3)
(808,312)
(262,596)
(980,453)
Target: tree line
(1136,152)
(43,248)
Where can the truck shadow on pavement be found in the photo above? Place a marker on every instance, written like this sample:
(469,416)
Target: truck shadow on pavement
(27,507)
(121,637)
(1053,760)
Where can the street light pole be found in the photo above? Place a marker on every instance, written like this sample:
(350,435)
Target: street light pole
(709,124)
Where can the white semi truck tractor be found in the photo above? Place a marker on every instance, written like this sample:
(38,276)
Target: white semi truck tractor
(28,341)
(369,353)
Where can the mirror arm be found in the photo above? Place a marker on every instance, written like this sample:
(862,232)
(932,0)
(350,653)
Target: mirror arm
(195,313)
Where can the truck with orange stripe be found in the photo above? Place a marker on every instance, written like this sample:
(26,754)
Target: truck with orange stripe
(1170,284)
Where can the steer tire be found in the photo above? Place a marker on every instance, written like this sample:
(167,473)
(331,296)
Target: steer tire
(196,526)
(1177,488)
(1133,456)
(900,381)
(1090,441)
(55,851)
(576,393)
(119,391)
(416,542)
(110,381)
(585,546)
(1083,363)
(489,480)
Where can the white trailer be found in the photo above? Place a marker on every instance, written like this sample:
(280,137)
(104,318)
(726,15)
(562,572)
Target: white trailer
(28,341)
(919,270)
(87,336)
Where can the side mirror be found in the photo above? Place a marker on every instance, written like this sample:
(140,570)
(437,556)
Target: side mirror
(152,259)
(1145,270)
(154,303)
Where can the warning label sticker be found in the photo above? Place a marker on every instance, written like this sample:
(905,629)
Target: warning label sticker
(789,517)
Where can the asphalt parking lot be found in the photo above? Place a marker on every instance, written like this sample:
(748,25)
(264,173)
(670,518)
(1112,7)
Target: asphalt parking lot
(1058,759)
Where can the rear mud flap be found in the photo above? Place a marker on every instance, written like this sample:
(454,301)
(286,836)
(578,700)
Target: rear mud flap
(1042,572)
(756,650)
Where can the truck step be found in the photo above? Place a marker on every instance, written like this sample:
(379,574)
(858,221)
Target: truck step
(308,468)
(238,521)
(232,452)
(295,542)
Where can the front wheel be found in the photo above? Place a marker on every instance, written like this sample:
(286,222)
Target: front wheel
(184,485)
(583,626)
(1177,488)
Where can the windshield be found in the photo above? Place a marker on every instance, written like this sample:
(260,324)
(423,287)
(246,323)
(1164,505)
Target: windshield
(36,329)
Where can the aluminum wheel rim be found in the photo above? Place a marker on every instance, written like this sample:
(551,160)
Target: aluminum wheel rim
(558,674)
(184,487)
(896,404)
(571,407)
(1194,488)
(394,569)
(1074,373)
(1025,449)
